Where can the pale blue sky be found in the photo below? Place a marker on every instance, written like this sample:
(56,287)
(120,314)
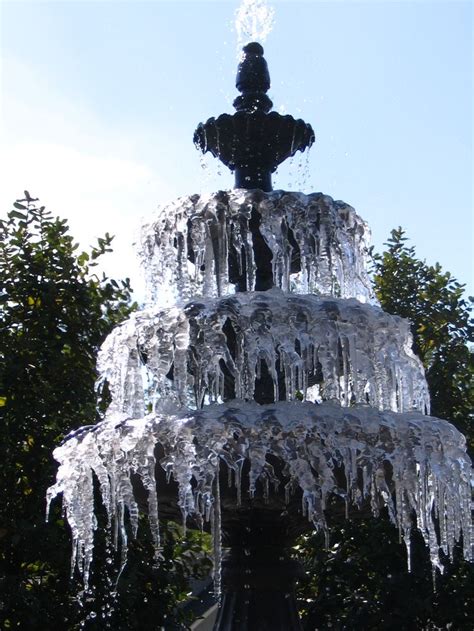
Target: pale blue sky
(100,100)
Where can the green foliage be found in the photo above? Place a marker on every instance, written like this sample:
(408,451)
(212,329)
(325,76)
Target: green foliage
(144,594)
(361,582)
(442,326)
(54,314)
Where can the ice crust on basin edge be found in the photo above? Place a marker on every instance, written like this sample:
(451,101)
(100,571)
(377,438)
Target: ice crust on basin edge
(408,463)
(200,245)
(313,347)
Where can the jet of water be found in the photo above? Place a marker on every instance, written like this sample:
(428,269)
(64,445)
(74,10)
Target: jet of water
(254,20)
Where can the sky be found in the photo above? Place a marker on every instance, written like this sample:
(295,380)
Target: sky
(99,101)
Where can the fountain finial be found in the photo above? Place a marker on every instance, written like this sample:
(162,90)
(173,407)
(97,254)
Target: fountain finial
(253,81)
(253,141)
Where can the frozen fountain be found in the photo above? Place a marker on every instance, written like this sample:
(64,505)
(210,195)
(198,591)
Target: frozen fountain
(262,392)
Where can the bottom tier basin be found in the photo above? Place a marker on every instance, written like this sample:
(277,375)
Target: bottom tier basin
(408,464)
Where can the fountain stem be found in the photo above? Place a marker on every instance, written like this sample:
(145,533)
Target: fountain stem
(258,576)
(252,177)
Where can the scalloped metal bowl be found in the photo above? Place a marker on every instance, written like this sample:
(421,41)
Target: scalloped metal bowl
(263,139)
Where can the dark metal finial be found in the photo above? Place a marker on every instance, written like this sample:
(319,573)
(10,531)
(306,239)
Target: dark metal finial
(253,142)
(253,81)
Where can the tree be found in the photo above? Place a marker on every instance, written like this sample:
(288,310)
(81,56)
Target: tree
(54,314)
(441,325)
(361,582)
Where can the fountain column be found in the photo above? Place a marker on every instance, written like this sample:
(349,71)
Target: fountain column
(258,575)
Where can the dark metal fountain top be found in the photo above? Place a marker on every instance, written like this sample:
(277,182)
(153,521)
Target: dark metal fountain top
(253,141)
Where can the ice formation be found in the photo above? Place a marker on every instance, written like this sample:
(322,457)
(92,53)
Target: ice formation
(250,288)
(408,463)
(210,350)
(206,246)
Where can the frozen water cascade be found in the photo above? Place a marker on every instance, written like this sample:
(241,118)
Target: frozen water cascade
(262,386)
(313,348)
(408,462)
(204,246)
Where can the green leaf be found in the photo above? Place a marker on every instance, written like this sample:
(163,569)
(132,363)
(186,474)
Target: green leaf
(82,258)
(17,215)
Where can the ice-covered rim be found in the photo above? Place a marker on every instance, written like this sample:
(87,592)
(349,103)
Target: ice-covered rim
(242,240)
(406,463)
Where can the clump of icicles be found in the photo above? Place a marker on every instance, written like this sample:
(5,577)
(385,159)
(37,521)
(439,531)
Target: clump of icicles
(408,463)
(312,347)
(205,245)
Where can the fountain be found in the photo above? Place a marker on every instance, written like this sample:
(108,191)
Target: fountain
(262,392)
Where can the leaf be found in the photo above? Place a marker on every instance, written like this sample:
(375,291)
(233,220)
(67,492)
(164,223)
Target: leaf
(19,206)
(82,258)
(17,215)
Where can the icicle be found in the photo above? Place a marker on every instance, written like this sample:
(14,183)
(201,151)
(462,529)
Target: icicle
(146,472)
(268,326)
(217,535)
(426,477)
(220,225)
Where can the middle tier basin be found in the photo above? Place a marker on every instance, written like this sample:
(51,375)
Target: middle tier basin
(264,346)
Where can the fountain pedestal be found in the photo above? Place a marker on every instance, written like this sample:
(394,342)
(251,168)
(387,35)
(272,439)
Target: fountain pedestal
(258,576)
